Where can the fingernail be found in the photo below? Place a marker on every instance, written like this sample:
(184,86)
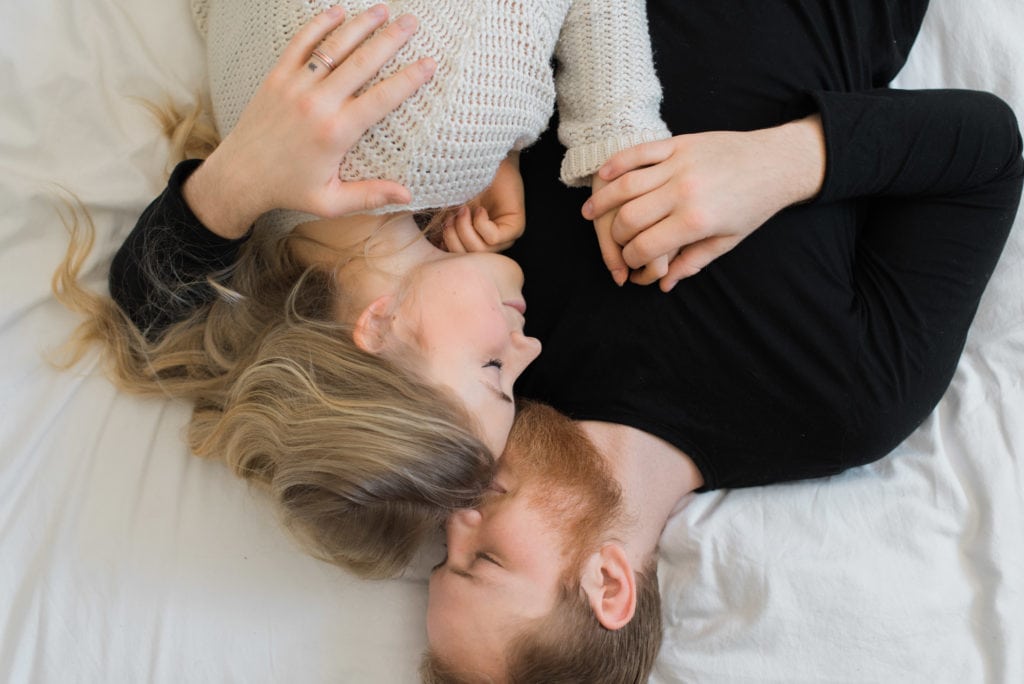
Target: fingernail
(406,21)
(378,11)
(588,210)
(335,11)
(427,65)
(619,275)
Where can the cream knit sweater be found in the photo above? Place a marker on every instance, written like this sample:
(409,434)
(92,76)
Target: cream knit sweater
(493,91)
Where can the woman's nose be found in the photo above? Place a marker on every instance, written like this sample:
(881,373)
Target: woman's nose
(465,517)
(461,529)
(527,349)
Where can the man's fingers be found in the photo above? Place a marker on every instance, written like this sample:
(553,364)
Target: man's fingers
(635,157)
(611,252)
(651,272)
(640,214)
(357,196)
(628,187)
(343,41)
(664,237)
(694,258)
(302,44)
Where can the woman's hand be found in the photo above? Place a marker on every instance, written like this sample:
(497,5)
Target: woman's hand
(669,208)
(289,142)
(495,219)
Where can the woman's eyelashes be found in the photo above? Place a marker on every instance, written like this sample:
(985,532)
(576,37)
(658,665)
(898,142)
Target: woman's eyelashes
(494,363)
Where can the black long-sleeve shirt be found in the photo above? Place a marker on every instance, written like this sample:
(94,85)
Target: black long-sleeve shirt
(825,337)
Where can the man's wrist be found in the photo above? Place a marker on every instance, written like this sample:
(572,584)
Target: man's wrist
(802,150)
(223,209)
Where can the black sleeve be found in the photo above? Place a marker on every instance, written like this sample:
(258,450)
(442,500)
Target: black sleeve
(925,143)
(162,272)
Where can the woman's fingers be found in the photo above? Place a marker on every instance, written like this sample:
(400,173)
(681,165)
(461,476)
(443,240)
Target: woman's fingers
(611,251)
(466,231)
(369,57)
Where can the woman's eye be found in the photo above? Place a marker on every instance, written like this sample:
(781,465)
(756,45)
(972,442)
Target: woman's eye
(494,363)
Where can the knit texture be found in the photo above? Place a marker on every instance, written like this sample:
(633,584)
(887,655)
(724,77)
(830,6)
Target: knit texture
(493,91)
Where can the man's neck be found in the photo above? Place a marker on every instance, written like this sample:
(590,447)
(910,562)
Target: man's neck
(654,476)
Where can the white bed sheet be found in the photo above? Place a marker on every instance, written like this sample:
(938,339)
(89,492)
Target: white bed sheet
(125,559)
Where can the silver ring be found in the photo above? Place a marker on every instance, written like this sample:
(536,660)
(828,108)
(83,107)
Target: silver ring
(326,59)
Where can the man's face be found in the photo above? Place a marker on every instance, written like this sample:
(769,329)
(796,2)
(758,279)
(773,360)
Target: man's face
(508,558)
(503,569)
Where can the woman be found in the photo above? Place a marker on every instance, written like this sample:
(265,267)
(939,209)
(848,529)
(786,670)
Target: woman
(362,372)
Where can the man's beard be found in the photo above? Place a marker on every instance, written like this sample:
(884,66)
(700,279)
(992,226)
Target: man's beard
(564,475)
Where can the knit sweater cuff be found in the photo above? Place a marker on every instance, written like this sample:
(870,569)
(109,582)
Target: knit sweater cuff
(582,161)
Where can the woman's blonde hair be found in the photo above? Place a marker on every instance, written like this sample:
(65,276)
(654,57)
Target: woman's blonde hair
(363,456)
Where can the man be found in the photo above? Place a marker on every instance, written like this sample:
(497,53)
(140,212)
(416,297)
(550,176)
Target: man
(808,345)
(564,543)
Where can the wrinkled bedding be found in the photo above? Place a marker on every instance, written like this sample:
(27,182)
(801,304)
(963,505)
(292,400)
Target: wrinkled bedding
(125,559)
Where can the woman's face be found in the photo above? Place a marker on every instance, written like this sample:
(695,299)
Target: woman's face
(464,313)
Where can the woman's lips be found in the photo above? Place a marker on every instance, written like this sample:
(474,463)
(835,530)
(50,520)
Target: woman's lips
(517,304)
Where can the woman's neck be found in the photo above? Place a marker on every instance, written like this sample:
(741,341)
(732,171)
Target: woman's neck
(369,254)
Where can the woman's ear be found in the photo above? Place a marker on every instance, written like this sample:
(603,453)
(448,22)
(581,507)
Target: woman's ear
(373,325)
(610,585)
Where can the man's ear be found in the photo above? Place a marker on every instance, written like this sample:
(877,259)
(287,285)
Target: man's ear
(373,325)
(610,585)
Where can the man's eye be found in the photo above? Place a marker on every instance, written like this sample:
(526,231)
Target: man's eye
(484,557)
(494,363)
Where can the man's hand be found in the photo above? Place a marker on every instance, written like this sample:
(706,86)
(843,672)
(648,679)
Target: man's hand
(285,151)
(667,209)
